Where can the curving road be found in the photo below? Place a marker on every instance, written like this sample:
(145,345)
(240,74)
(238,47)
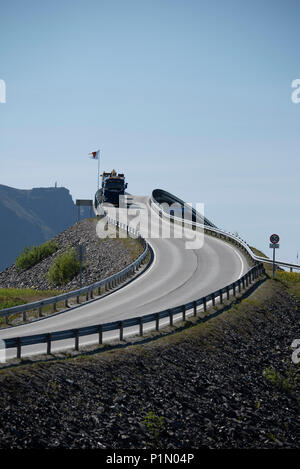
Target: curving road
(176,276)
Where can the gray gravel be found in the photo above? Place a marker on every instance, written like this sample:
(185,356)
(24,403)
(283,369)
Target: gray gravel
(103,258)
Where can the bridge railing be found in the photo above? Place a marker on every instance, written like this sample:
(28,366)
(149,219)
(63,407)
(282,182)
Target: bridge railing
(88,291)
(219,295)
(184,310)
(214,231)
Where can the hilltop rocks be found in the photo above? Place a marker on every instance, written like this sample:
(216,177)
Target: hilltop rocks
(103,257)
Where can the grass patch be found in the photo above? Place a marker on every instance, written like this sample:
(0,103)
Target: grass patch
(291,280)
(31,256)
(10,297)
(134,247)
(285,383)
(268,267)
(154,426)
(257,252)
(18,296)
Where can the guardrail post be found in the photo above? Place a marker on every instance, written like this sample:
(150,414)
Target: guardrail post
(77,299)
(247,280)
(233,289)
(24,316)
(92,294)
(6,319)
(204,303)
(239,285)
(213,299)
(121,327)
(141,325)
(221,297)
(171,316)
(19,347)
(195,307)
(48,343)
(250,281)
(87,296)
(227,293)
(66,303)
(157,321)
(100,334)
(54,307)
(40,311)
(243,282)
(76,335)
(183,312)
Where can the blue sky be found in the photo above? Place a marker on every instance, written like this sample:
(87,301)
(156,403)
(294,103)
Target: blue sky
(189,96)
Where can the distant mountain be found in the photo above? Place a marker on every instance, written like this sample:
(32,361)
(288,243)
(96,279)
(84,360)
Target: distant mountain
(31,217)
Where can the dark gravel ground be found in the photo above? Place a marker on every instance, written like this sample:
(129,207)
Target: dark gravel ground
(204,387)
(103,258)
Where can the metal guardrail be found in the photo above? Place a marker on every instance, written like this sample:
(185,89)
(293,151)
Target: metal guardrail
(213,230)
(48,338)
(88,291)
(231,289)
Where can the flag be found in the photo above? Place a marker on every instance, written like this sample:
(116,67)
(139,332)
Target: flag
(95,155)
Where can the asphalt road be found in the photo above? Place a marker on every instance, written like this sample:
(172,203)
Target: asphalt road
(177,275)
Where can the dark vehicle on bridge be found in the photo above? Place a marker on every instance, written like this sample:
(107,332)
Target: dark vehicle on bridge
(113,186)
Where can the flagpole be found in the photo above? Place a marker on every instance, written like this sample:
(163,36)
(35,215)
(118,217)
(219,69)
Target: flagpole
(99,170)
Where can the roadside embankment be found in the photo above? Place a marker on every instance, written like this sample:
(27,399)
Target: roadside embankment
(103,257)
(226,383)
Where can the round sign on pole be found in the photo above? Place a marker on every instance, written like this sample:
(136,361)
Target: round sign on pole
(274,238)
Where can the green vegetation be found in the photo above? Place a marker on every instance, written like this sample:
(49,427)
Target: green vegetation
(64,268)
(291,280)
(134,247)
(257,252)
(18,296)
(154,425)
(10,297)
(276,379)
(31,256)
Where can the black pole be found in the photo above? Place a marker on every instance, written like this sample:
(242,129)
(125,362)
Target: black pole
(273,261)
(80,261)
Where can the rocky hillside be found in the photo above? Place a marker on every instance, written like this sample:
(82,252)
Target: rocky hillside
(31,217)
(103,257)
(229,383)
